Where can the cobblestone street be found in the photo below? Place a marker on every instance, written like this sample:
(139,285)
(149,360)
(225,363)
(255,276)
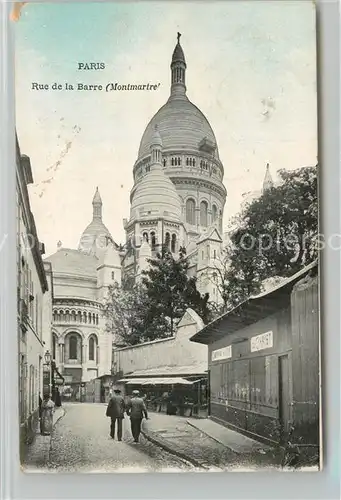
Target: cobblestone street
(81,443)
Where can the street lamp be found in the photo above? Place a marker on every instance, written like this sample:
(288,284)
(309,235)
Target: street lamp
(48,358)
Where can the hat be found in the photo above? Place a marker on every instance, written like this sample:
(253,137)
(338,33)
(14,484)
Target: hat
(136,393)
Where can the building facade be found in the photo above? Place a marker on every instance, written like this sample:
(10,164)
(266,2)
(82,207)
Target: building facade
(263,361)
(34,299)
(177,200)
(81,346)
(178,197)
(171,365)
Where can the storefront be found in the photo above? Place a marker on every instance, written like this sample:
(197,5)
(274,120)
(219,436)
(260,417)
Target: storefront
(73,389)
(171,373)
(259,354)
(171,395)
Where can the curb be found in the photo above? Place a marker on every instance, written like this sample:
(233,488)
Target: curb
(240,453)
(214,439)
(173,451)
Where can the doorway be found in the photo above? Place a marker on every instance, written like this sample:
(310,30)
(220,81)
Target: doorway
(284,398)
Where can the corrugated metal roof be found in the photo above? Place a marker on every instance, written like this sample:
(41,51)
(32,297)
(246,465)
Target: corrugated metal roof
(171,370)
(156,381)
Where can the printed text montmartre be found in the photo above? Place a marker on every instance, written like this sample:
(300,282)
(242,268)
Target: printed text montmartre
(93,87)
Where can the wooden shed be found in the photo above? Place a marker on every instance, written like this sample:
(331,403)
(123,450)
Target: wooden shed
(263,357)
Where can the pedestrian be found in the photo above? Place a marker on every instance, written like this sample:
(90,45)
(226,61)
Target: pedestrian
(47,408)
(57,400)
(40,405)
(115,410)
(136,410)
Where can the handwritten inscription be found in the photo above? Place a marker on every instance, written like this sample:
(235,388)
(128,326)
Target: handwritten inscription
(263,341)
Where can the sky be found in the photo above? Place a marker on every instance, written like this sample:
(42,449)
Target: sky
(251,69)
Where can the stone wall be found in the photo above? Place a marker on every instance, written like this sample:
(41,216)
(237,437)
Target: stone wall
(175,352)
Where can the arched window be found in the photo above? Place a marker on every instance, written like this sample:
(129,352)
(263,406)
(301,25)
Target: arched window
(152,237)
(164,162)
(193,162)
(172,162)
(54,316)
(145,237)
(92,348)
(179,161)
(112,275)
(84,317)
(73,316)
(93,319)
(203,213)
(67,316)
(96,319)
(188,161)
(190,211)
(89,316)
(173,245)
(167,240)
(73,347)
(214,213)
(79,316)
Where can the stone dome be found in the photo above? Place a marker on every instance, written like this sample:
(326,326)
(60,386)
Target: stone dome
(96,235)
(155,195)
(182,126)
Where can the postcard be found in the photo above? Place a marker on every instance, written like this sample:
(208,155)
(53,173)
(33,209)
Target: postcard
(167,236)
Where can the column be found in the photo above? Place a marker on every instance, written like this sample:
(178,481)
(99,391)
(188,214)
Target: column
(84,361)
(61,355)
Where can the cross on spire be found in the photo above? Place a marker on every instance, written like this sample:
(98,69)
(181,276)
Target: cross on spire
(178,70)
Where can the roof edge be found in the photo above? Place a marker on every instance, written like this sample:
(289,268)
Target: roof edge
(292,279)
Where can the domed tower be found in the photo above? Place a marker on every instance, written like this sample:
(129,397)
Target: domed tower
(190,156)
(96,236)
(156,212)
(268,183)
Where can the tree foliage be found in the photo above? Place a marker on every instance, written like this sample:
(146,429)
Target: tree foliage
(275,234)
(170,291)
(123,310)
(151,310)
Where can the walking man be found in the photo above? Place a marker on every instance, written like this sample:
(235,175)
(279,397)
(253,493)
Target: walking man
(136,409)
(115,410)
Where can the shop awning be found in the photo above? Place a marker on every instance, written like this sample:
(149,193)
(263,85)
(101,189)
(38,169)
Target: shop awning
(156,381)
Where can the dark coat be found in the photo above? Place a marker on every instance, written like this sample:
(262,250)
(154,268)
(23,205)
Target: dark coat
(116,407)
(136,408)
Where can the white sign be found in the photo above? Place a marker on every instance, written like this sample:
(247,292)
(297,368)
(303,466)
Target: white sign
(263,341)
(224,353)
